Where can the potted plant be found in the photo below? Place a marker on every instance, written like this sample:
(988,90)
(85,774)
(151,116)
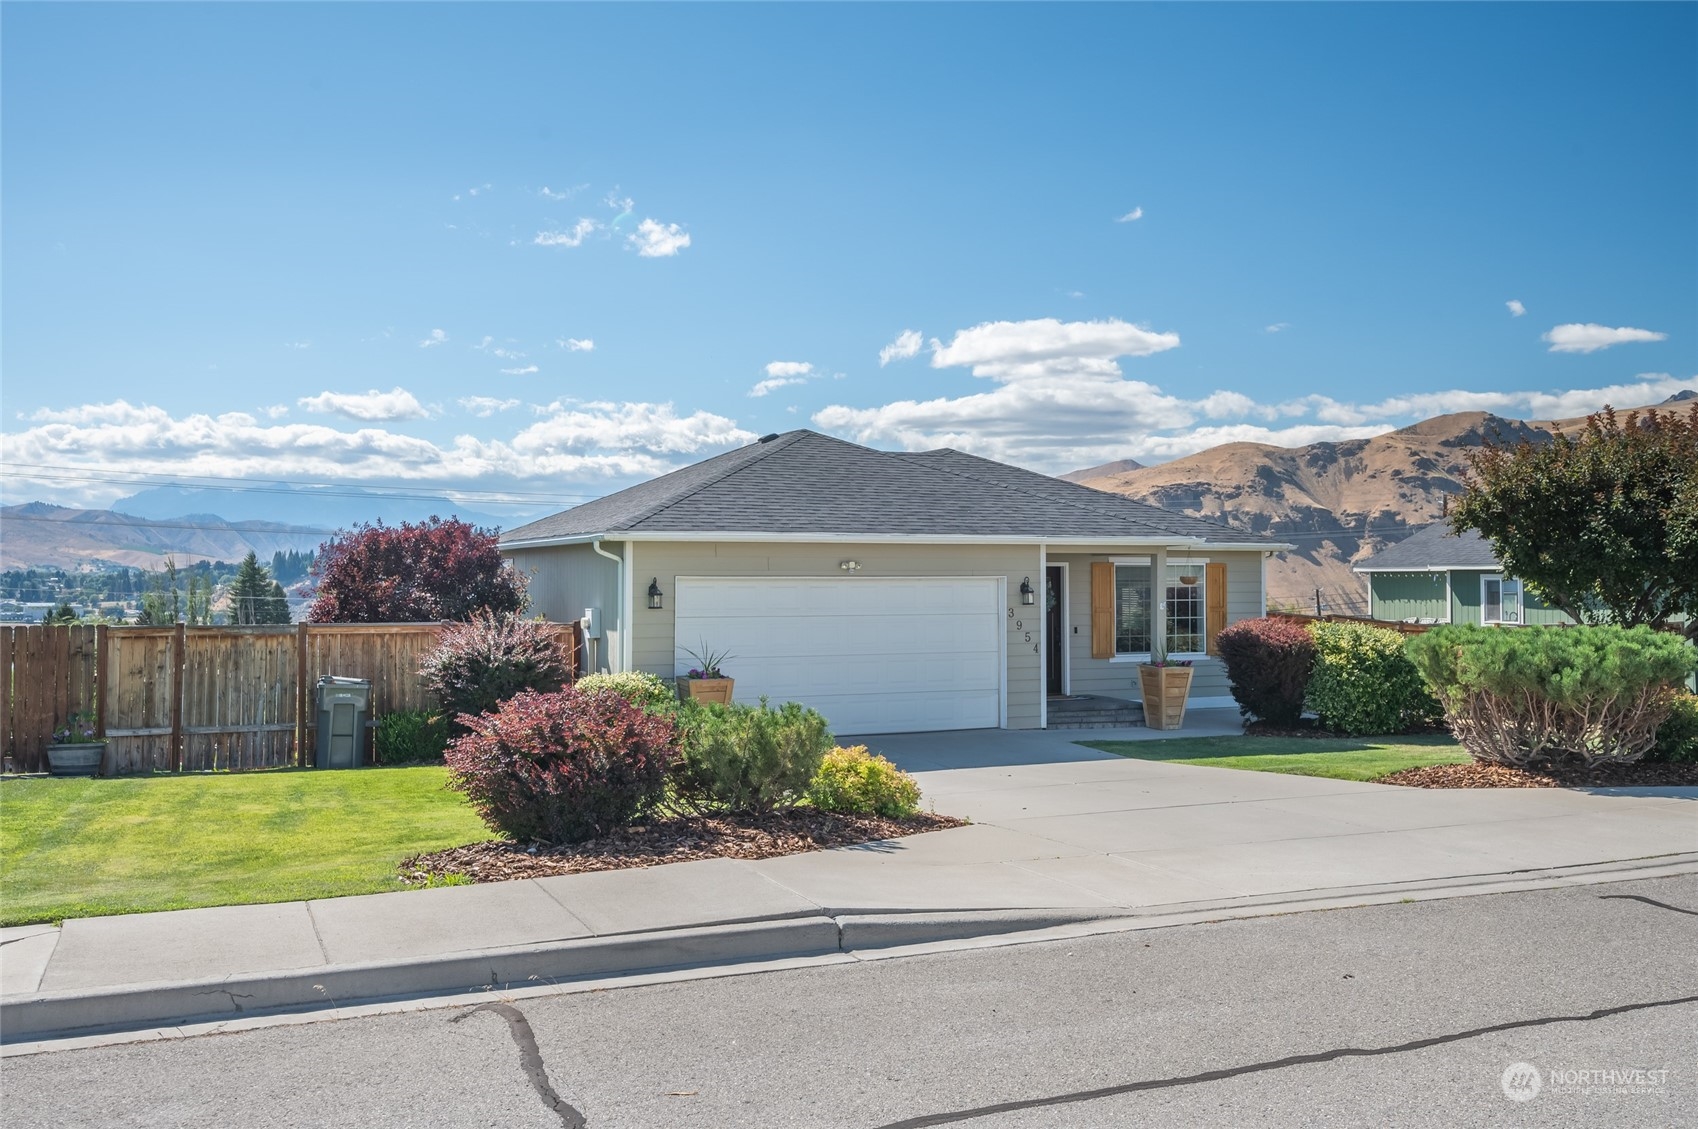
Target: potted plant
(706,682)
(76,750)
(1166,684)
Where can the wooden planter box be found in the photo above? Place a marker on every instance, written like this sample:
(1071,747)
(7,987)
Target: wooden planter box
(1165,689)
(706,689)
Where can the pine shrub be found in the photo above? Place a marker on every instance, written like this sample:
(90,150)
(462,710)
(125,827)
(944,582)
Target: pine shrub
(481,663)
(410,735)
(747,758)
(1267,665)
(563,767)
(1677,736)
(1545,695)
(638,687)
(1363,683)
(856,782)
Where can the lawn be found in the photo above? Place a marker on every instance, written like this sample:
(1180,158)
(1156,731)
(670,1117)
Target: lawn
(1341,758)
(82,847)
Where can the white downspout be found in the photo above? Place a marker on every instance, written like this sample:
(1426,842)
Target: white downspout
(1043,636)
(624,609)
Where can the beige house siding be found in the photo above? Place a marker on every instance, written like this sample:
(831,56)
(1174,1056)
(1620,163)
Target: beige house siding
(653,645)
(566,579)
(1118,678)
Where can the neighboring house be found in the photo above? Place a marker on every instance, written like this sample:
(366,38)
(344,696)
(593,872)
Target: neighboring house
(1436,576)
(893,591)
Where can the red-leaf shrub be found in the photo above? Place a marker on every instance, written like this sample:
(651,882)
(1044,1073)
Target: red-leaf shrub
(1268,663)
(562,767)
(481,663)
(411,573)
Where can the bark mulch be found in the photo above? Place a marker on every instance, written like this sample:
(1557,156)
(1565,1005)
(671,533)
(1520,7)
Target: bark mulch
(1471,775)
(679,839)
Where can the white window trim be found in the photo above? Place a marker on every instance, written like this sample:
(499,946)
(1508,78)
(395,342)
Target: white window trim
(1520,600)
(1202,565)
(1155,611)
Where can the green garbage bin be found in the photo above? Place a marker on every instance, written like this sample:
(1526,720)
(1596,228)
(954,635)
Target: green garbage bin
(343,704)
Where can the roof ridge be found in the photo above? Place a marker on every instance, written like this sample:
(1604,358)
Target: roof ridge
(1078,505)
(773,445)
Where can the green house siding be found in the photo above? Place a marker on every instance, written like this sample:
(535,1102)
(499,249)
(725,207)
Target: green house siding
(1406,595)
(1465,601)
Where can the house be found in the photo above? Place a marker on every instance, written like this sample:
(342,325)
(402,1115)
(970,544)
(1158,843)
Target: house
(893,591)
(1436,576)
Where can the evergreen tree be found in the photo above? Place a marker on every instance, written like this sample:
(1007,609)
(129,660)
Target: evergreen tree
(255,597)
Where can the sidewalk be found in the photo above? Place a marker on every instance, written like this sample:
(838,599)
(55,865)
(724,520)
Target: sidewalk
(1061,834)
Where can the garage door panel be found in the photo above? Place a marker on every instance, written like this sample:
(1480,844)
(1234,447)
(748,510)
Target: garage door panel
(871,654)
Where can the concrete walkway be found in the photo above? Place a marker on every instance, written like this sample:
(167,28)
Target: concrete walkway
(1060,833)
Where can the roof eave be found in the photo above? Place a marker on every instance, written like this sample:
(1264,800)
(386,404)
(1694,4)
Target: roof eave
(1140,540)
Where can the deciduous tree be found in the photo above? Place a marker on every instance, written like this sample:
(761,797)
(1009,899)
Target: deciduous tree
(397,574)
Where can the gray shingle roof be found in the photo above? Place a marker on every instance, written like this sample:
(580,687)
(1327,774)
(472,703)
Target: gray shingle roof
(1434,547)
(805,482)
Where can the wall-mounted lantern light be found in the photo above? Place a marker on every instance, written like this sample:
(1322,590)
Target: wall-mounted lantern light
(654,592)
(1027,596)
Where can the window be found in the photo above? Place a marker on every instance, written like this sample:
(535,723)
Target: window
(1186,607)
(1500,600)
(1132,620)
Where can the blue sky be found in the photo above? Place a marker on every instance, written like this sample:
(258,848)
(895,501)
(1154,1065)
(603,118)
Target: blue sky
(555,249)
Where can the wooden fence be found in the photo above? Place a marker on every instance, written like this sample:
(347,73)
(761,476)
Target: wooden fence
(195,699)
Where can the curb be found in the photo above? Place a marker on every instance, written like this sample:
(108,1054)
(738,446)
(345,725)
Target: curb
(44,1017)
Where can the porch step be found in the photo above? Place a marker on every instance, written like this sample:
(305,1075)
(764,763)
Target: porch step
(1092,712)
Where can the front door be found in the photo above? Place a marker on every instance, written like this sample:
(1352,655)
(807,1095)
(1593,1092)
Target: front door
(1055,631)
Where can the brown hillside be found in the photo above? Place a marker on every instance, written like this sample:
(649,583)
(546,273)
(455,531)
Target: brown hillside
(1338,502)
(37,534)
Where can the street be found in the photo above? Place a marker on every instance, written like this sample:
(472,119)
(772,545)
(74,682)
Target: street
(1408,1014)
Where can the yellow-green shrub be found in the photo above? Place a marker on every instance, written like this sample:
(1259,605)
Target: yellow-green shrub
(857,782)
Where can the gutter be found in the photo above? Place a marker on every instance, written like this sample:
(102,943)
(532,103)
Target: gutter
(827,537)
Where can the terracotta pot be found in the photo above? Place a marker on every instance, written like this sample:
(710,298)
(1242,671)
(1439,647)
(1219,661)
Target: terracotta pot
(76,760)
(1165,690)
(706,689)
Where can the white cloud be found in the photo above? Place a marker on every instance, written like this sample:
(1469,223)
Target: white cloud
(1576,337)
(1134,215)
(789,368)
(298,345)
(373,406)
(623,205)
(907,344)
(276,411)
(654,240)
(485,406)
(523,370)
(576,344)
(1046,348)
(593,444)
(580,231)
(781,374)
(549,194)
(1277,327)
(437,337)
(774,383)
(1516,309)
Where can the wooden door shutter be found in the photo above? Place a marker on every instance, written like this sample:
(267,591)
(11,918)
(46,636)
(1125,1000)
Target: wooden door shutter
(1214,603)
(1102,609)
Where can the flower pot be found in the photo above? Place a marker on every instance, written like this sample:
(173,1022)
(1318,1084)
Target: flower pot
(76,760)
(1165,689)
(706,689)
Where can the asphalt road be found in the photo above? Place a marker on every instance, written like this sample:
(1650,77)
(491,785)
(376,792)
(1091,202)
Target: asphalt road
(1395,1015)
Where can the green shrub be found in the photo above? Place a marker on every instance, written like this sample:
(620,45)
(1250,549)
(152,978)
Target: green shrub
(481,663)
(1363,683)
(1677,736)
(638,687)
(1267,666)
(410,735)
(562,767)
(747,758)
(1536,695)
(855,781)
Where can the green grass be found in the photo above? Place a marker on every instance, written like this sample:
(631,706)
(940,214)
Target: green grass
(82,847)
(1340,758)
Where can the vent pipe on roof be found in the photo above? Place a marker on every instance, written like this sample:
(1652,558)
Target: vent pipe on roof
(767,438)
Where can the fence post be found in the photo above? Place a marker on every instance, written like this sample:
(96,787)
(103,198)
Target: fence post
(179,657)
(6,691)
(100,668)
(301,693)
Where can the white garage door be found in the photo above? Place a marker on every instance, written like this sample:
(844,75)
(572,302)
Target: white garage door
(874,655)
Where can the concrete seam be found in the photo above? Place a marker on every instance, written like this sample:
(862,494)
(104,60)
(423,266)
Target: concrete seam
(312,919)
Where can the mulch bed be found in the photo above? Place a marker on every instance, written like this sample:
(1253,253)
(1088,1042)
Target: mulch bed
(680,839)
(1471,775)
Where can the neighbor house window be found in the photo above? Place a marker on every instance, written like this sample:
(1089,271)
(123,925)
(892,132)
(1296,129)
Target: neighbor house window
(1187,624)
(1500,600)
(1133,581)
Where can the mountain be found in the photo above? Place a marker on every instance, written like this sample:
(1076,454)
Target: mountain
(336,508)
(1337,502)
(36,534)
(1118,466)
